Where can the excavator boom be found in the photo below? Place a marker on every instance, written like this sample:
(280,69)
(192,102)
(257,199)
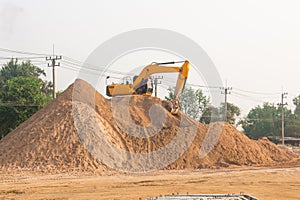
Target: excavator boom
(140,84)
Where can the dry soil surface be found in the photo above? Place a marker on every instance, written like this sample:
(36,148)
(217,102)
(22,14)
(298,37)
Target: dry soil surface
(264,183)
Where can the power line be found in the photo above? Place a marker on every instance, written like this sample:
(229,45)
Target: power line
(283,96)
(94,67)
(80,64)
(22,52)
(39,62)
(88,66)
(53,60)
(68,60)
(193,85)
(257,93)
(226,92)
(204,86)
(77,65)
(70,67)
(247,97)
(21,58)
(87,71)
(156,82)
(84,70)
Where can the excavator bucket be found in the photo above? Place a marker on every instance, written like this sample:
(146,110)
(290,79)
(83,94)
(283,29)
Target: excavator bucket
(175,107)
(174,111)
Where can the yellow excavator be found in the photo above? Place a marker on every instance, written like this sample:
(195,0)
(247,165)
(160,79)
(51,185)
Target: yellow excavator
(143,83)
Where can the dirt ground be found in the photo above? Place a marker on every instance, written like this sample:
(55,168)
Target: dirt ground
(264,183)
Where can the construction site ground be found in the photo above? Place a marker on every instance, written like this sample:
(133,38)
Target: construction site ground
(263,183)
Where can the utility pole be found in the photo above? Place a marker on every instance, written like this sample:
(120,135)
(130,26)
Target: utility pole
(53,64)
(156,83)
(283,95)
(226,92)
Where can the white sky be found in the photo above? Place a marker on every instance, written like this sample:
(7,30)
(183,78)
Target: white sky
(255,44)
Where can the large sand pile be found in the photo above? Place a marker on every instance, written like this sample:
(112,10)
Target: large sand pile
(49,141)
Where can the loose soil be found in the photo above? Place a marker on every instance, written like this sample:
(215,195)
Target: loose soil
(50,142)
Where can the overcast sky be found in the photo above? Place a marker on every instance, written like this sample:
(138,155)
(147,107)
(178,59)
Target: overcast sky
(255,44)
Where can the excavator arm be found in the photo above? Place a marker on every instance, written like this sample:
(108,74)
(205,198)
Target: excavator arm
(180,84)
(158,68)
(141,79)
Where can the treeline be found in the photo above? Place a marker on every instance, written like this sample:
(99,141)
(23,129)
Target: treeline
(261,121)
(22,93)
(265,120)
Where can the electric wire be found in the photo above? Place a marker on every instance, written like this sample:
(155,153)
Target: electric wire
(22,52)
(257,93)
(93,67)
(79,66)
(21,58)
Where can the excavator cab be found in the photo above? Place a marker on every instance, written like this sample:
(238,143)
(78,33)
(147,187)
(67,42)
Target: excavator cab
(145,87)
(125,88)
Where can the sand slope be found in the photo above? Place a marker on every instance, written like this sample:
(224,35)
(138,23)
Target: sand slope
(49,141)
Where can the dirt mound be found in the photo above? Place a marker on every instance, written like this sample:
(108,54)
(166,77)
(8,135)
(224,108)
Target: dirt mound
(233,148)
(47,141)
(64,136)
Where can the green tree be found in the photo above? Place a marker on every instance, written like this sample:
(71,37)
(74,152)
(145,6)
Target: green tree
(232,112)
(208,113)
(293,125)
(13,69)
(192,102)
(196,105)
(296,102)
(265,120)
(262,121)
(21,94)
